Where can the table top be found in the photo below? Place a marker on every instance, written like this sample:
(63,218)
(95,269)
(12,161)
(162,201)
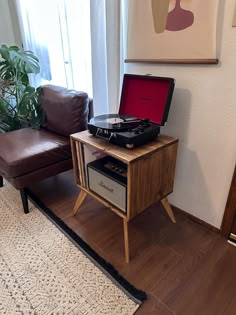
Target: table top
(124,154)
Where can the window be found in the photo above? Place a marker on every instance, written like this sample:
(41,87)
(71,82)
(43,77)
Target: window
(58,32)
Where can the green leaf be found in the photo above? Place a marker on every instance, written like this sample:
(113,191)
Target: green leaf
(24,60)
(4,127)
(17,61)
(15,124)
(25,79)
(4,51)
(20,105)
(3,106)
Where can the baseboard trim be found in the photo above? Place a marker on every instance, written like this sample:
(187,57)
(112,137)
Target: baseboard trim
(195,219)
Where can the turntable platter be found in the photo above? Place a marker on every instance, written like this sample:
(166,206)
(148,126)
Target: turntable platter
(114,122)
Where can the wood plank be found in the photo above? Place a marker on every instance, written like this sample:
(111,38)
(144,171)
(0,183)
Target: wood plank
(157,258)
(151,179)
(80,157)
(79,201)
(230,310)
(145,183)
(187,237)
(126,240)
(173,263)
(174,61)
(76,164)
(121,153)
(153,307)
(167,207)
(193,243)
(210,287)
(196,219)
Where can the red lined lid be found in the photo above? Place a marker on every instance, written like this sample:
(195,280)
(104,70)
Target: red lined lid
(147,97)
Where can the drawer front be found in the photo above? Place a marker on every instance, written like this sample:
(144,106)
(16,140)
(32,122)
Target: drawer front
(107,188)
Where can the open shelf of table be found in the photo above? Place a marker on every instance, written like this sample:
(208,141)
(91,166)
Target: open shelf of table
(150,174)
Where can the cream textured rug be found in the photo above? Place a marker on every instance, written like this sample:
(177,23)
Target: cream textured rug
(43,272)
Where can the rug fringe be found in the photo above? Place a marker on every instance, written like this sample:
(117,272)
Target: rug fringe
(137,295)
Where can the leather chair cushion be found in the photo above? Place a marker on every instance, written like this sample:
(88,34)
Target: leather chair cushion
(66,110)
(26,150)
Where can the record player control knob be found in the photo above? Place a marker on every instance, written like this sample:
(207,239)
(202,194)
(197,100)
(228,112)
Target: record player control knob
(129,145)
(141,128)
(145,122)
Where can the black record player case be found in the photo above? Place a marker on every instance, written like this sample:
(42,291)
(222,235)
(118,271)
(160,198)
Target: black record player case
(145,99)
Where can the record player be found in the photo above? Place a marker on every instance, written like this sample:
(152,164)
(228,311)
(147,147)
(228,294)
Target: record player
(144,108)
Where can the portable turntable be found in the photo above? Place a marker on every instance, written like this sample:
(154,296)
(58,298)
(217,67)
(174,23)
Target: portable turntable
(144,108)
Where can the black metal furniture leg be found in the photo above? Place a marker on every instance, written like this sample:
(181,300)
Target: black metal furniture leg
(1,181)
(24,200)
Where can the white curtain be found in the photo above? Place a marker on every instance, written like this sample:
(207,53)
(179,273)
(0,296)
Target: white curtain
(58,32)
(78,44)
(105,43)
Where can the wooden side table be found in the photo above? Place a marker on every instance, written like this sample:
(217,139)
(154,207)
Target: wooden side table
(150,174)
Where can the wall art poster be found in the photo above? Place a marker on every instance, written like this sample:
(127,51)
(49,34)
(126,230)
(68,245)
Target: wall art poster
(171,29)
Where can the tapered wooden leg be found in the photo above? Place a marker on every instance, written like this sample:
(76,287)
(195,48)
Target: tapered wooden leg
(1,181)
(79,201)
(167,207)
(24,200)
(126,240)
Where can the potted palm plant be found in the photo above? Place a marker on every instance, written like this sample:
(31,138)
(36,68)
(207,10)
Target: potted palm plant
(19,101)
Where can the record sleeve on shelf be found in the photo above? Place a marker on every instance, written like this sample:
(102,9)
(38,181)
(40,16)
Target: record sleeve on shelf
(90,154)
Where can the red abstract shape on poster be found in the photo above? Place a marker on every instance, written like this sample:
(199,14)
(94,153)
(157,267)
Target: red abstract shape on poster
(178,18)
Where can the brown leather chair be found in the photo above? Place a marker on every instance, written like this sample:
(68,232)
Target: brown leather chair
(28,155)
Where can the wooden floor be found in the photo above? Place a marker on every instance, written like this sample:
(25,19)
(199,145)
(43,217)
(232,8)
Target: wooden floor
(184,268)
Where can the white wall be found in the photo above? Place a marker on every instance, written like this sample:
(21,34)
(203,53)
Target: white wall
(6,30)
(203,117)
